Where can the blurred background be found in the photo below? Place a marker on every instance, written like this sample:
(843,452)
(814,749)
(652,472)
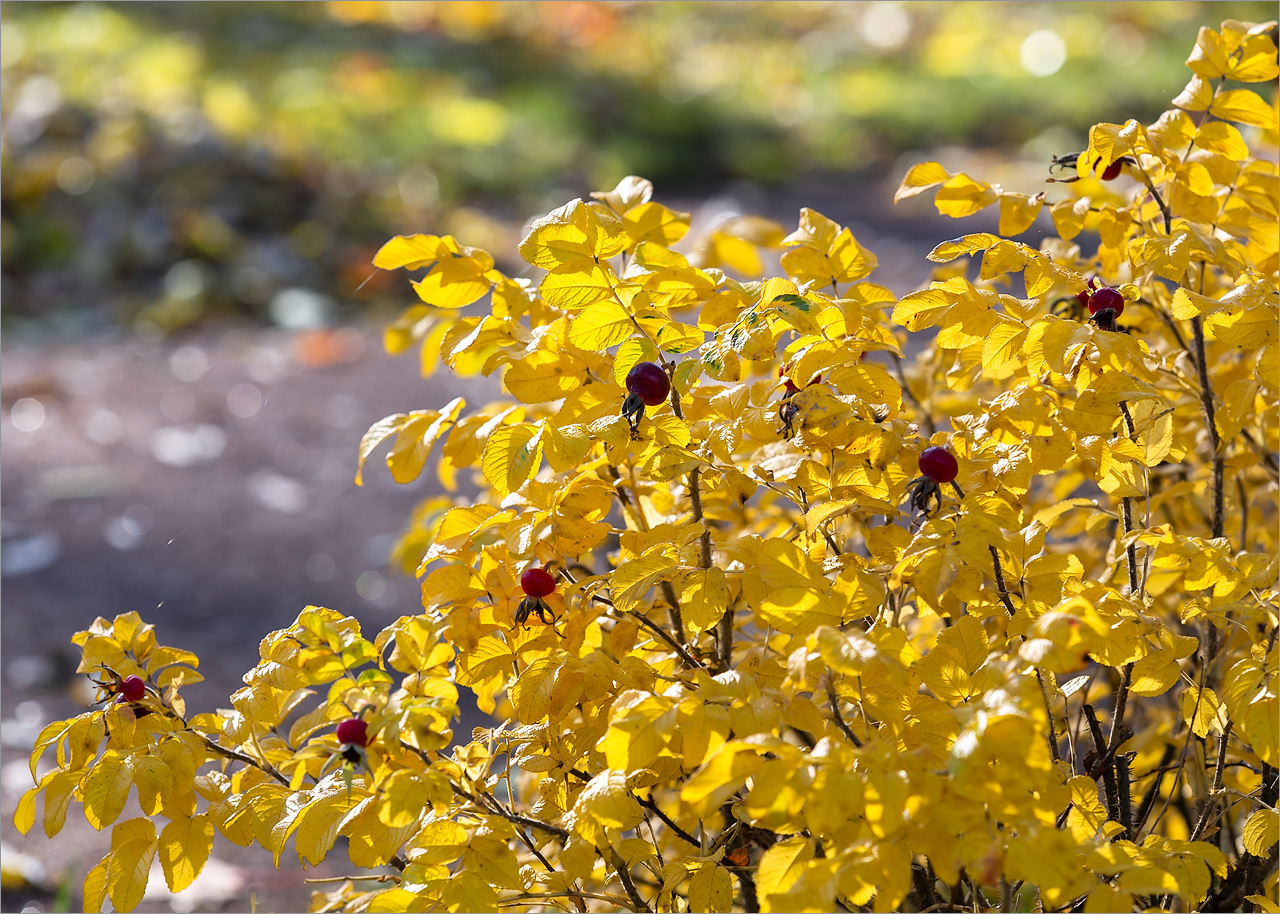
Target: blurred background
(191,194)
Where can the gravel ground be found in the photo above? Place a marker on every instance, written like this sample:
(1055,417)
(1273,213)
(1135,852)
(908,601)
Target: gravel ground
(205,482)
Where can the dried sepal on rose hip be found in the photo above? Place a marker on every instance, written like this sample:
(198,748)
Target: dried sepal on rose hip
(938,466)
(536,584)
(647,385)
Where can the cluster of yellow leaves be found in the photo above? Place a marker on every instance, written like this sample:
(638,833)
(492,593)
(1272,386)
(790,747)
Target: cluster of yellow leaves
(772,682)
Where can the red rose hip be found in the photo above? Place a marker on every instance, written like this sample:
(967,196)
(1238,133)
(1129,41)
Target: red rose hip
(1112,171)
(537,582)
(353,731)
(938,464)
(132,688)
(1106,297)
(649,382)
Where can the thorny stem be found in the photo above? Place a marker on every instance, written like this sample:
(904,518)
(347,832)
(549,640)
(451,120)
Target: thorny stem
(1126,509)
(1164,207)
(624,874)
(1107,771)
(840,721)
(906,389)
(1206,400)
(1212,801)
(647,623)
(493,806)
(1009,608)
(247,759)
(1149,800)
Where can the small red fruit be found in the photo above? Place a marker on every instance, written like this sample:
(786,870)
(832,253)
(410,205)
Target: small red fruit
(132,688)
(537,582)
(1106,297)
(353,732)
(1112,171)
(649,382)
(938,464)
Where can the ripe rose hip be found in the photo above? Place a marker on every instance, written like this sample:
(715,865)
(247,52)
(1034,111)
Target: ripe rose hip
(649,382)
(537,582)
(132,688)
(353,731)
(1106,297)
(1111,172)
(938,464)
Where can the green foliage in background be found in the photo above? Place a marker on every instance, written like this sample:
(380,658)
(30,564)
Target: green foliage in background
(270,146)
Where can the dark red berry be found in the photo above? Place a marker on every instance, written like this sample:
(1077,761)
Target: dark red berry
(132,688)
(1112,171)
(1106,297)
(938,464)
(649,382)
(353,732)
(789,386)
(537,582)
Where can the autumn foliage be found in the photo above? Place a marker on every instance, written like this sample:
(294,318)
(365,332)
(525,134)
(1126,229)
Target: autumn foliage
(772,660)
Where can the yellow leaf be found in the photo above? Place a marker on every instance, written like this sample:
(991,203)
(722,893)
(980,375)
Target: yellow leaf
(851,260)
(133,847)
(1261,831)
(780,867)
(511,456)
(1156,673)
(704,596)
(1003,348)
(919,178)
(605,802)
(962,196)
(542,375)
(1264,904)
(1244,106)
(964,246)
(397,900)
(1196,96)
(1255,61)
(441,841)
(455,282)
(94,890)
(318,823)
(1069,216)
(711,889)
(601,326)
(1200,710)
(1262,725)
(638,733)
(564,447)
(469,892)
(184,849)
(530,693)
(106,788)
(969,641)
(633,578)
(1018,212)
(577,285)
(413,252)
(923,309)
(654,222)
(405,796)
(1222,138)
(630,191)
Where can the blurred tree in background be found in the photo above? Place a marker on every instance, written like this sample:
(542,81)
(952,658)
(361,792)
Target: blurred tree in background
(168,162)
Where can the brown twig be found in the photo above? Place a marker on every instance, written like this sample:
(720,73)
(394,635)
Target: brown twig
(840,721)
(1206,401)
